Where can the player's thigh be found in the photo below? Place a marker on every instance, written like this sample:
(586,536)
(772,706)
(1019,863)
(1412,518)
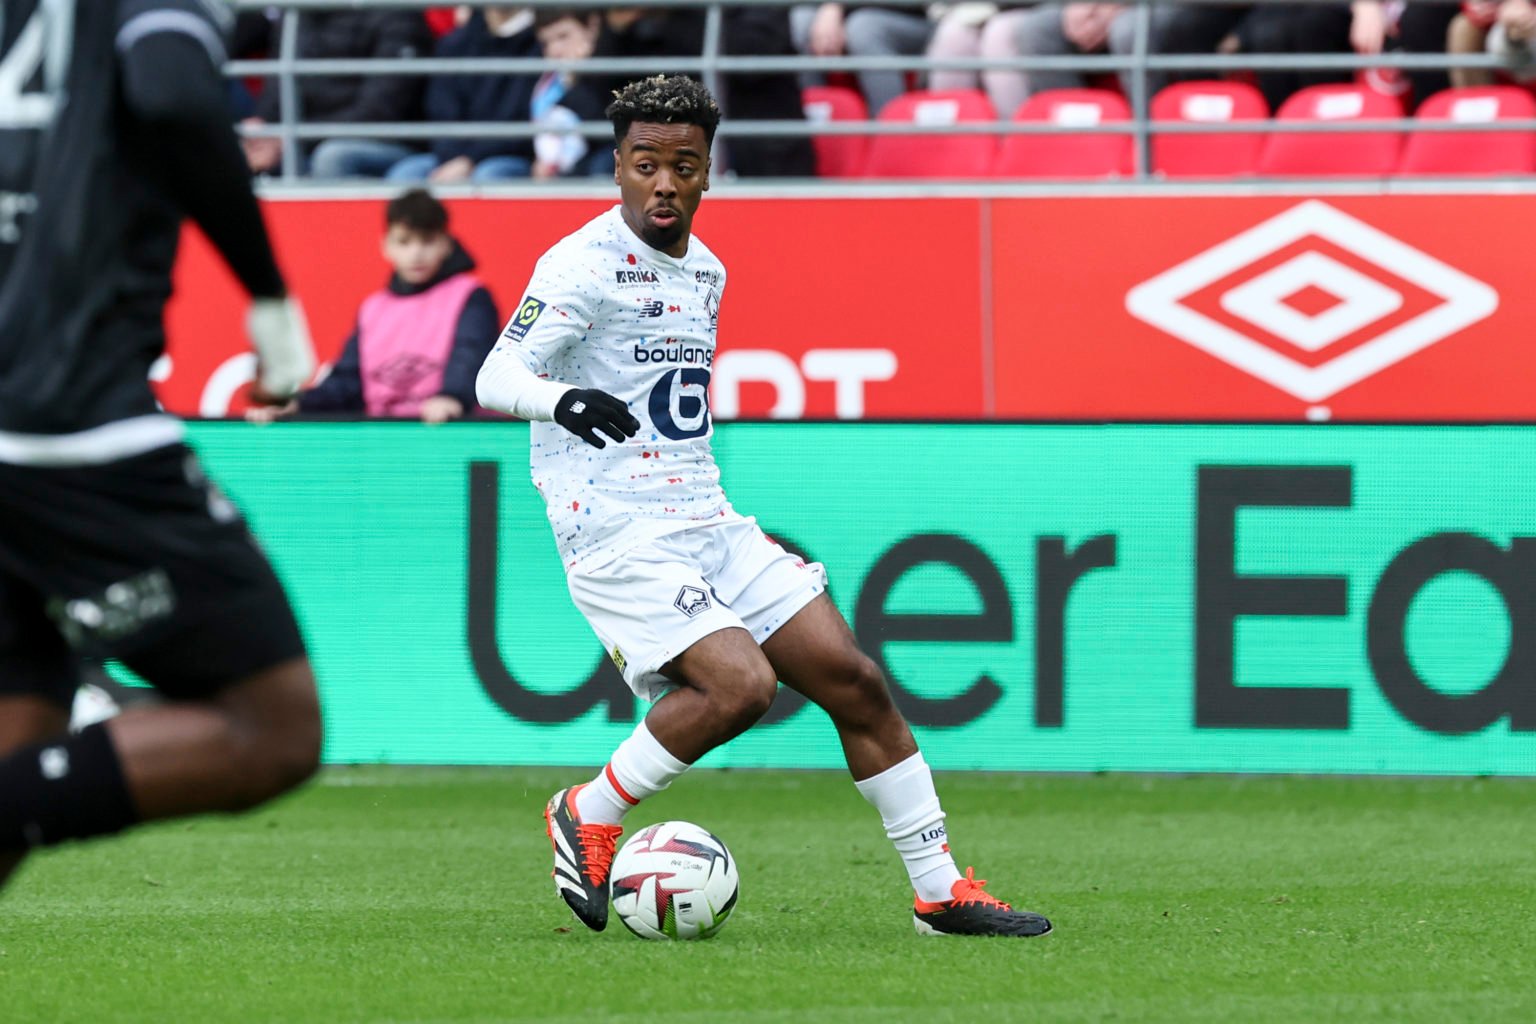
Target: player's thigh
(143,560)
(38,673)
(727,660)
(648,607)
(816,654)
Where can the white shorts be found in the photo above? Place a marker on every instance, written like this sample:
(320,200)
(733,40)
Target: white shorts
(658,599)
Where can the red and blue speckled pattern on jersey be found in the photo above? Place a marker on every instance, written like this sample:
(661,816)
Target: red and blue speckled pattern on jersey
(616,315)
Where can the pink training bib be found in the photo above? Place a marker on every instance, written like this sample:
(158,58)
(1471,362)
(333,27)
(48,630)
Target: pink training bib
(404,342)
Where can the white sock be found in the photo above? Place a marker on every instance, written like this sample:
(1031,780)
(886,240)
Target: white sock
(914,821)
(641,767)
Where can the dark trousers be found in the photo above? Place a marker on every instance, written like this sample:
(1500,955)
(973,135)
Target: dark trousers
(1302,28)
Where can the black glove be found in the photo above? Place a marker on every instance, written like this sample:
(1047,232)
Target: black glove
(585,411)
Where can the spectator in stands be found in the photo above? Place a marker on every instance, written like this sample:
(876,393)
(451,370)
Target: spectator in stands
(354,33)
(1513,37)
(420,340)
(248,40)
(562,98)
(1468,34)
(494,31)
(1055,30)
(981,30)
(1424,28)
(832,29)
(1359,27)
(746,31)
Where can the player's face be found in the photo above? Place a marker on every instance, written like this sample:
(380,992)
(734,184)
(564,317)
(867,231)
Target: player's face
(417,256)
(662,174)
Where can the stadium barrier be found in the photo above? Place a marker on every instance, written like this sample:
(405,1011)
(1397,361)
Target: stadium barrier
(1247,304)
(1273,598)
(1141,66)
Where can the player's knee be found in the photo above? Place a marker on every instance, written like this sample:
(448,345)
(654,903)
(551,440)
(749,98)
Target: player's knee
(296,757)
(866,698)
(750,698)
(278,736)
(279,759)
(866,679)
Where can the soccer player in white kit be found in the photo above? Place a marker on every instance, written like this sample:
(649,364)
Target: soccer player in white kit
(609,356)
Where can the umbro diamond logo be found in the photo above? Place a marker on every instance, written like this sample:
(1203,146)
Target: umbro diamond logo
(1312,301)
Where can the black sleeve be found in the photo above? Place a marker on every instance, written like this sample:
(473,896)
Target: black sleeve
(473,338)
(342,389)
(172,86)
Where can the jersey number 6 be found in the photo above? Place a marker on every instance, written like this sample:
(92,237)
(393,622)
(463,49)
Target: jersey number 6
(680,403)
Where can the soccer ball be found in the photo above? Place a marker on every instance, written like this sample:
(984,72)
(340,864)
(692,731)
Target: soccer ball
(674,880)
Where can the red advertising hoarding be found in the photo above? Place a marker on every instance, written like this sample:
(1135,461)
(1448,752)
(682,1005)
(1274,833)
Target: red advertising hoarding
(833,309)
(1264,307)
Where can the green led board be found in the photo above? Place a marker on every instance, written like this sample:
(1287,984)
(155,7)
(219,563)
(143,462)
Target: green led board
(1066,598)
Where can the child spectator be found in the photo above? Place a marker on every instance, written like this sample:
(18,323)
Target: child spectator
(562,98)
(420,340)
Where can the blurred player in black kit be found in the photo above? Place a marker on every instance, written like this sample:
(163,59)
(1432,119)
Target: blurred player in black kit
(113,127)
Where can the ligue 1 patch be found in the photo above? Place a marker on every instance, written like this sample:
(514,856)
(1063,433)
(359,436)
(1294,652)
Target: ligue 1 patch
(619,660)
(526,315)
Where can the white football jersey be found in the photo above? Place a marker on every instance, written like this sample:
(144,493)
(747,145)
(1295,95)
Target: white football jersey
(604,310)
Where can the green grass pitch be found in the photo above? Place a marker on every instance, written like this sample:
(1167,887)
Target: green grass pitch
(388,894)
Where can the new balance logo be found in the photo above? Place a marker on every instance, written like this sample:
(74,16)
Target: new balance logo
(1314,324)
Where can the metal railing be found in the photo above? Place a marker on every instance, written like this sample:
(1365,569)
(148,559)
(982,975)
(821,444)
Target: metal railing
(286,68)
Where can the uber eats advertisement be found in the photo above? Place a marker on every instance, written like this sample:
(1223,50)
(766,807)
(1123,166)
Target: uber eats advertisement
(1070,598)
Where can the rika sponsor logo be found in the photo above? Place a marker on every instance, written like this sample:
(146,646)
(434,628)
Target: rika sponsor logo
(642,276)
(691,601)
(1349,301)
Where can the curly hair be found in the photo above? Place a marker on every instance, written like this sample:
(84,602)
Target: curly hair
(663,99)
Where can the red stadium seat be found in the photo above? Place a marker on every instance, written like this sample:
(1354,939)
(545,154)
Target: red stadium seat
(1207,156)
(1334,154)
(837,156)
(934,156)
(1473,152)
(1089,155)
